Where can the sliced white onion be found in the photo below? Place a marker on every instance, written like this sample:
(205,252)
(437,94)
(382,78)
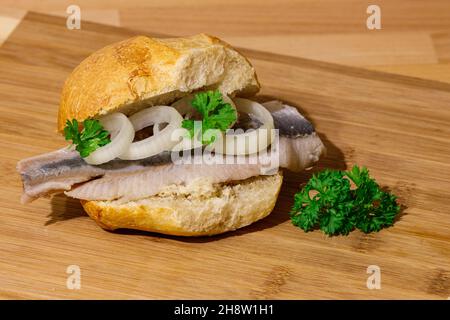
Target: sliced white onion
(252,141)
(156,128)
(122,135)
(156,143)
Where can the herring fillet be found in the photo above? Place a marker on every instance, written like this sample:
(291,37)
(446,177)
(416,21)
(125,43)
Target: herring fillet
(128,186)
(64,170)
(59,170)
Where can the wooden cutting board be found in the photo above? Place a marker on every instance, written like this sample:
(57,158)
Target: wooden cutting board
(396,126)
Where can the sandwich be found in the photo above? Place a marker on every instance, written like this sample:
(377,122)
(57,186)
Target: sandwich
(167,136)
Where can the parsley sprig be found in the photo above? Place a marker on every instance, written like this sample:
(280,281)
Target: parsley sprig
(91,137)
(330,202)
(216,114)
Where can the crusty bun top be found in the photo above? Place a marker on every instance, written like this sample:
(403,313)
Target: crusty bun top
(139,72)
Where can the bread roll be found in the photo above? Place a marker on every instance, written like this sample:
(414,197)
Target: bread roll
(198,211)
(142,71)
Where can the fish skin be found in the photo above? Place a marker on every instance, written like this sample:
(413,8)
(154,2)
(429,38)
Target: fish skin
(66,168)
(72,160)
(57,171)
(288,120)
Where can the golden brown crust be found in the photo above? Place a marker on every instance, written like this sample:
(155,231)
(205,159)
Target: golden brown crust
(230,207)
(142,71)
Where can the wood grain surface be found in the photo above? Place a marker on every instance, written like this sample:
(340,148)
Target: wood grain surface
(413,39)
(395,125)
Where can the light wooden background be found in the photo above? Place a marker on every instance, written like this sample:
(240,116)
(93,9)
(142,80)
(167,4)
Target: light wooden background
(414,40)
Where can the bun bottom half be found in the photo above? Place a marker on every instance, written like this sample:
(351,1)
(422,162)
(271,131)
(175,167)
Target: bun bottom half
(198,210)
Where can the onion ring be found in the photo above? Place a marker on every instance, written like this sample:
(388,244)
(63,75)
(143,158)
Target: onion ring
(252,141)
(157,143)
(122,135)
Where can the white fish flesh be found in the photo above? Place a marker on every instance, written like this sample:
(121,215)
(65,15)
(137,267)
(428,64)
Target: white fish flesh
(64,170)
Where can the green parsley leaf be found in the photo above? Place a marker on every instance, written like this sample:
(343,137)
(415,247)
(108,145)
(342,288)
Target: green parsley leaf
(90,138)
(329,202)
(216,114)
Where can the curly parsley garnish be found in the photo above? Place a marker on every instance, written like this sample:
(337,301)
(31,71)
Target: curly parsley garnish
(92,136)
(216,114)
(329,202)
